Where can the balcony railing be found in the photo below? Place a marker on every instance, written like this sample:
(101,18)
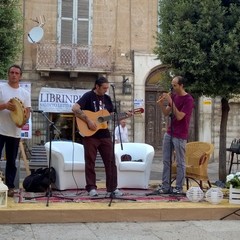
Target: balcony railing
(72,57)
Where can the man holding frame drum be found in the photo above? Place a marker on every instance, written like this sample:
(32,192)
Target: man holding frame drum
(15,104)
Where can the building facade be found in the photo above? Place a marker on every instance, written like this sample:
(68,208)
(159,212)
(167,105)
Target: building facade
(69,43)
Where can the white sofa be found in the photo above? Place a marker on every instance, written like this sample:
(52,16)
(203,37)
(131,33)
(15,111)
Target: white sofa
(68,160)
(132,174)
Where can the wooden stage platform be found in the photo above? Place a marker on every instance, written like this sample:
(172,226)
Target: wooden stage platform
(118,211)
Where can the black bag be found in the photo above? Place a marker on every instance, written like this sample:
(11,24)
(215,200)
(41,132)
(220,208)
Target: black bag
(235,146)
(126,157)
(39,180)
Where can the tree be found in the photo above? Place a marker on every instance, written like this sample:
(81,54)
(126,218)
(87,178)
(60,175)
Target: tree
(10,33)
(200,40)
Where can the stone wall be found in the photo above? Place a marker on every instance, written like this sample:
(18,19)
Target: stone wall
(126,26)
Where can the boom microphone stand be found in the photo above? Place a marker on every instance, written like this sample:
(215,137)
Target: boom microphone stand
(115,118)
(52,127)
(51,131)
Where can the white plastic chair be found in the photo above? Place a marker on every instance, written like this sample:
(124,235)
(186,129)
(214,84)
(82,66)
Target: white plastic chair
(134,174)
(68,160)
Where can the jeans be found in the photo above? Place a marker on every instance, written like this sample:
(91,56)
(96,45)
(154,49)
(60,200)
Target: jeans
(11,148)
(178,145)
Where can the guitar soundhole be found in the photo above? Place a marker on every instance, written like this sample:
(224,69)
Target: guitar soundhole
(100,119)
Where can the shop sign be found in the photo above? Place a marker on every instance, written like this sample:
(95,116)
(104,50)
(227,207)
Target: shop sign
(59,100)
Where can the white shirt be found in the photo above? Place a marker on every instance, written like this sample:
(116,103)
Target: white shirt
(123,132)
(7,126)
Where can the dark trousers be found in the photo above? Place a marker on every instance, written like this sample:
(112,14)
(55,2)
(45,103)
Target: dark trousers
(105,148)
(11,148)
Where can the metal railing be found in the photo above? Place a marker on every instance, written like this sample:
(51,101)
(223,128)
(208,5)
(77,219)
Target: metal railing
(73,57)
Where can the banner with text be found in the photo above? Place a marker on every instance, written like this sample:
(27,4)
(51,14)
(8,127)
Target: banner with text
(26,131)
(58,100)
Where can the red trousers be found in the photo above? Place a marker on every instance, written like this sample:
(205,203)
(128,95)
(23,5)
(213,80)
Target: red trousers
(105,148)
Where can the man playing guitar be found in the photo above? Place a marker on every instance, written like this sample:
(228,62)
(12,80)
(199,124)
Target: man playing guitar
(97,100)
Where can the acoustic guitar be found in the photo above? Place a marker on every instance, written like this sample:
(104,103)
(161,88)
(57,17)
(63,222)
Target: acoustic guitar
(100,118)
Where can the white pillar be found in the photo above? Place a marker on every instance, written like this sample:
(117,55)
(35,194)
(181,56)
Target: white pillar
(205,119)
(143,64)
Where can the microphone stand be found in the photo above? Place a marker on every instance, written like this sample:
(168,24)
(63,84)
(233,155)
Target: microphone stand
(51,134)
(52,127)
(115,117)
(119,132)
(171,143)
(171,148)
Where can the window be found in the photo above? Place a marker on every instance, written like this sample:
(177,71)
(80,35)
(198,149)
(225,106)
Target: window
(74,28)
(74,21)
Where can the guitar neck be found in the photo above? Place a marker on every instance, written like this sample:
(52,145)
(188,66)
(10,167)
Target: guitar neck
(100,118)
(110,117)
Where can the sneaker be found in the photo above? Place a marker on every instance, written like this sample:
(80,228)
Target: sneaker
(162,190)
(10,192)
(116,193)
(177,190)
(93,193)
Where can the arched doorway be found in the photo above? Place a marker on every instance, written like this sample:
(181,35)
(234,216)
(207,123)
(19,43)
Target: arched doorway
(156,122)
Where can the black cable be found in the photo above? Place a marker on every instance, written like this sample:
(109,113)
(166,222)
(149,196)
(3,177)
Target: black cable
(73,164)
(171,142)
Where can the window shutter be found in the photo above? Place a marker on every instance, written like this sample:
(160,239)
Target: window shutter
(75,22)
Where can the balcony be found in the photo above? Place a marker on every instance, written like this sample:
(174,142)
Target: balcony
(74,58)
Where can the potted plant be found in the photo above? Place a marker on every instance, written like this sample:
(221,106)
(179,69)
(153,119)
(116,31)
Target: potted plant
(234,180)
(233,183)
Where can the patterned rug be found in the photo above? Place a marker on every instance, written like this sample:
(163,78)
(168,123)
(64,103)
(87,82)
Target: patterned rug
(78,195)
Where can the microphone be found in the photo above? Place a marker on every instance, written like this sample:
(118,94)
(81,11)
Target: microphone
(112,85)
(37,111)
